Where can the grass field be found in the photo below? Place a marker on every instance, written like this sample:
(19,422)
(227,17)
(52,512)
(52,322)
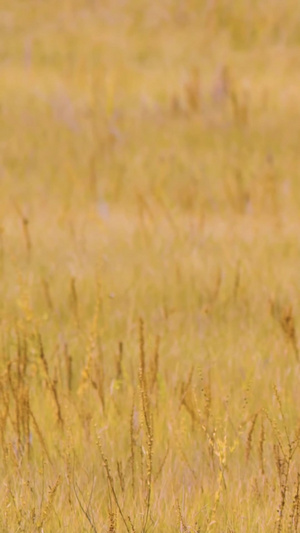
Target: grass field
(149,255)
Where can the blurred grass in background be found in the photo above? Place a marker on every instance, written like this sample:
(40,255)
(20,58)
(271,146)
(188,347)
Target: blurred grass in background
(149,255)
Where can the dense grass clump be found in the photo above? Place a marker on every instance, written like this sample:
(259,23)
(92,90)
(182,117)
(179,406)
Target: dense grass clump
(149,266)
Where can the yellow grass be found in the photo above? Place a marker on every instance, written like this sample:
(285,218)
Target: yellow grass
(149,266)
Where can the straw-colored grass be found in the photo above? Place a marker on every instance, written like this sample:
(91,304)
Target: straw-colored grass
(149,266)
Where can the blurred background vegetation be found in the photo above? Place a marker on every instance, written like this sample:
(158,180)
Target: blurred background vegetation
(149,255)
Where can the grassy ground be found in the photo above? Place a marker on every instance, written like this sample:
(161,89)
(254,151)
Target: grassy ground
(149,256)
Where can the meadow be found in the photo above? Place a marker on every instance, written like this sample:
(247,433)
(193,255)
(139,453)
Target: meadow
(149,255)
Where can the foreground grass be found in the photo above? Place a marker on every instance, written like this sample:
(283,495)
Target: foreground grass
(149,265)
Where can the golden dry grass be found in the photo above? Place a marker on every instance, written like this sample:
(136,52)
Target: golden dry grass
(149,255)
